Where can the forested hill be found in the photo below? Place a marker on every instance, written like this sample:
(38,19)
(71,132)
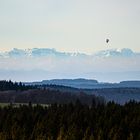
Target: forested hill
(70,114)
(18,92)
(87,83)
(9,85)
(71,122)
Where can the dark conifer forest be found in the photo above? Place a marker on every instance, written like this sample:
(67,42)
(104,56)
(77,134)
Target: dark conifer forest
(71,122)
(64,115)
(9,85)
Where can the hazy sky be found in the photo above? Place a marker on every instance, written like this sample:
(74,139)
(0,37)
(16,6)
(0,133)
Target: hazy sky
(70,25)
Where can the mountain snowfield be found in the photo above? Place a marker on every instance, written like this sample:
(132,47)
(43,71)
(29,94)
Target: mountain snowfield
(44,52)
(37,52)
(44,63)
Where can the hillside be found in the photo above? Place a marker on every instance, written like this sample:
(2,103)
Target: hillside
(87,83)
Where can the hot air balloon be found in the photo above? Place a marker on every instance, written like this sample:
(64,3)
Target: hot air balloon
(107,40)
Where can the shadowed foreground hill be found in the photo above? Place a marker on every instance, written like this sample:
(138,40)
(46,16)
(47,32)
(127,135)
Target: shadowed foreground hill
(18,93)
(47,96)
(66,118)
(71,122)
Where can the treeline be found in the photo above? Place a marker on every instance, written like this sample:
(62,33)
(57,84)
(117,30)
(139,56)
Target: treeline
(47,96)
(71,122)
(9,85)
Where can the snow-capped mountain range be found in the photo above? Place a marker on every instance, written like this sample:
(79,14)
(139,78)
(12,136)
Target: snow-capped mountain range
(44,52)
(37,52)
(125,52)
(45,63)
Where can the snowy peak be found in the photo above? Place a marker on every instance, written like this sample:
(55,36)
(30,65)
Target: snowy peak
(35,52)
(17,53)
(39,52)
(45,52)
(117,53)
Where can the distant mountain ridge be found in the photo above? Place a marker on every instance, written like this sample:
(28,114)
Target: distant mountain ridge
(38,52)
(44,52)
(125,52)
(87,83)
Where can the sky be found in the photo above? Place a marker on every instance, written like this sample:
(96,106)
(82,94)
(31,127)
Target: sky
(70,25)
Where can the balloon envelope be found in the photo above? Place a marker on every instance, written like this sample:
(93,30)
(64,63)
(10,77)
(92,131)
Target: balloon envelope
(107,40)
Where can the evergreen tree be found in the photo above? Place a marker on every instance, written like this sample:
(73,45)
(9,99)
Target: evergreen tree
(130,137)
(61,134)
(91,137)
